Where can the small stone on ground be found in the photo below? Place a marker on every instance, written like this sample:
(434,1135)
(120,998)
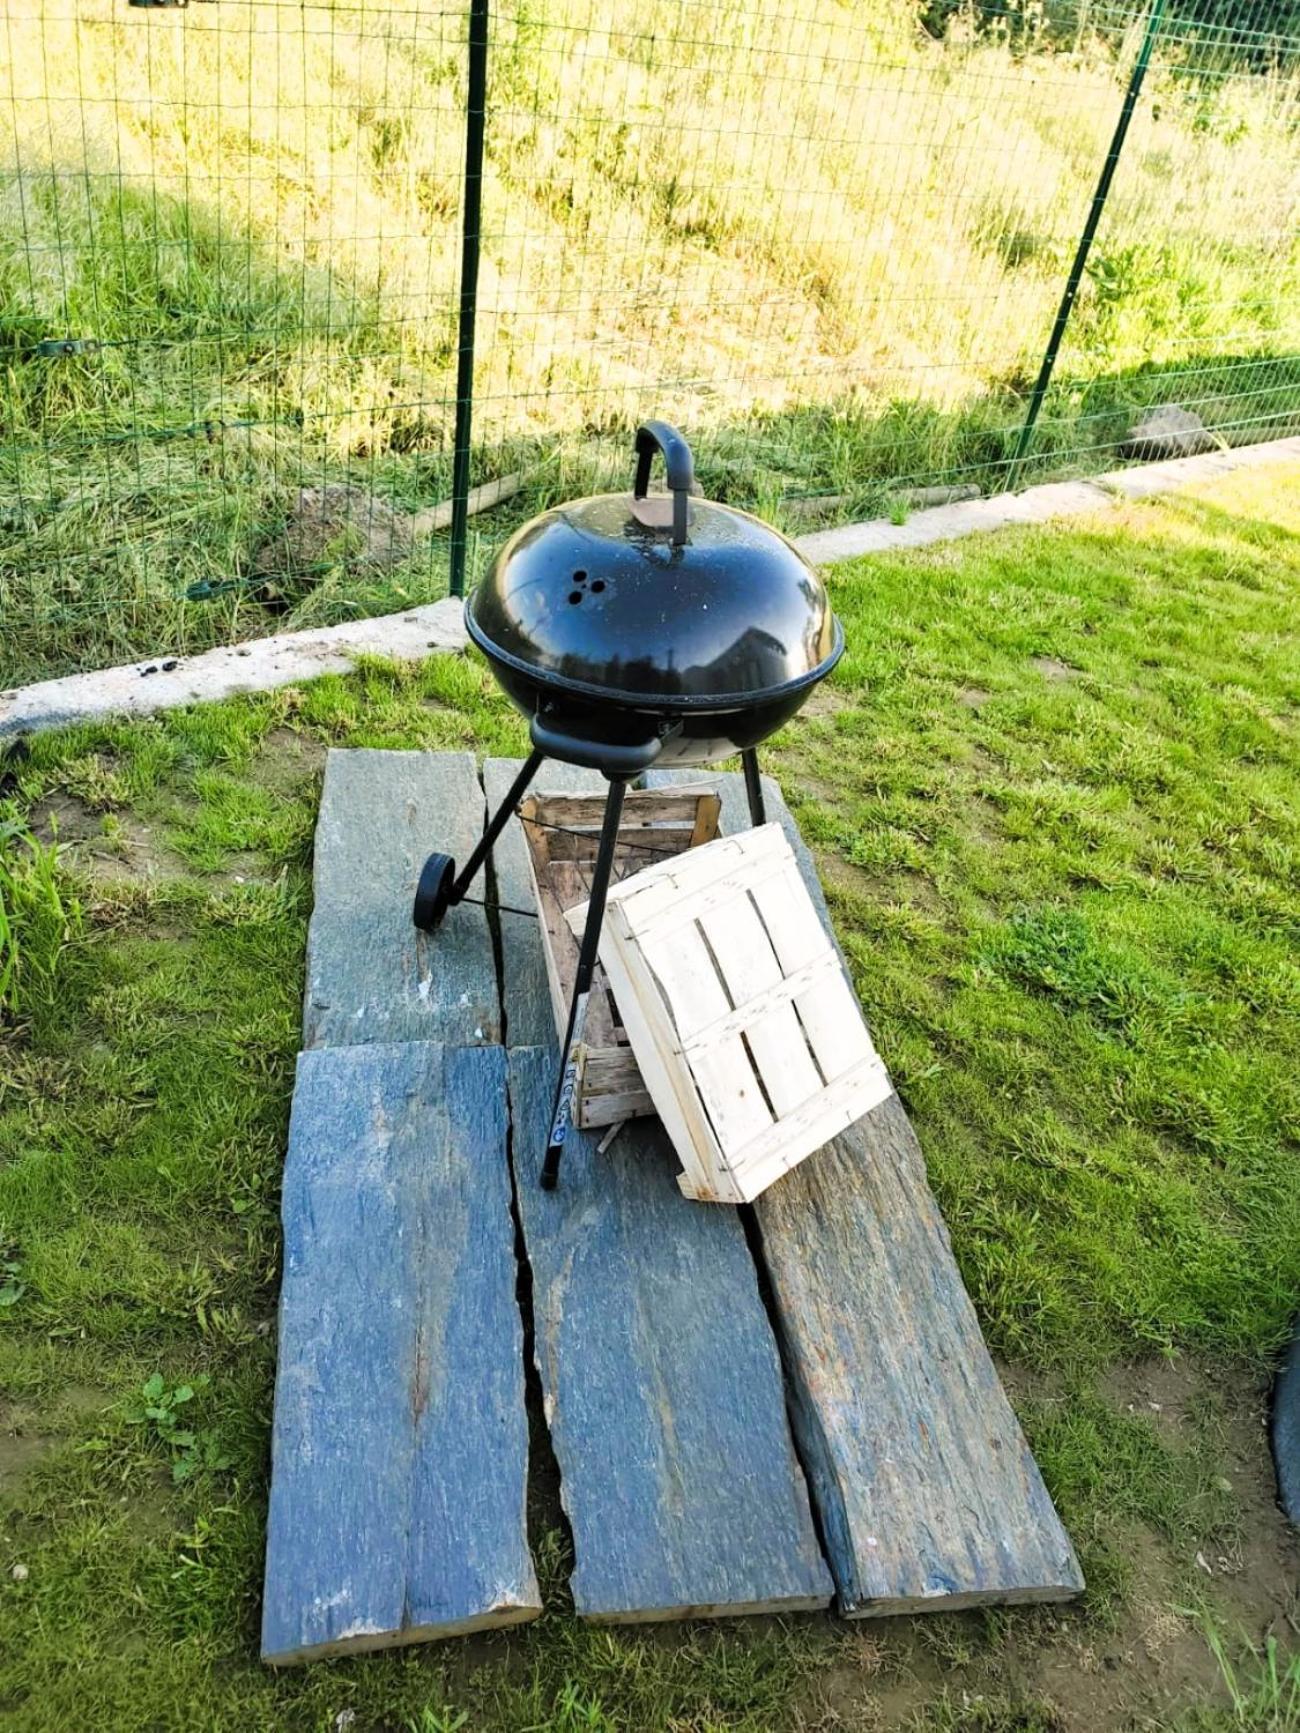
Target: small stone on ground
(336,525)
(1167,432)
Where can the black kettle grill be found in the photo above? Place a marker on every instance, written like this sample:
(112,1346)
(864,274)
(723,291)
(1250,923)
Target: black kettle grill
(631,632)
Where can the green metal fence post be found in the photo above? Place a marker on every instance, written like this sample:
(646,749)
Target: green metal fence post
(471,236)
(1099,197)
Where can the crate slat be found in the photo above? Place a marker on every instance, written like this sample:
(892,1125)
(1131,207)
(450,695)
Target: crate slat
(782,1058)
(676,893)
(830,1016)
(688,970)
(562,833)
(785,989)
(642,807)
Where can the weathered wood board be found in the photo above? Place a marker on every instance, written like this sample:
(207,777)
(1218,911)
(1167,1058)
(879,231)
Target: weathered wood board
(928,1494)
(400,1448)
(661,1380)
(371,976)
(654,824)
(529,1018)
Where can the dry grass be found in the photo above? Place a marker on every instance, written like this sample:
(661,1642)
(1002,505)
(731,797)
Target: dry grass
(831,247)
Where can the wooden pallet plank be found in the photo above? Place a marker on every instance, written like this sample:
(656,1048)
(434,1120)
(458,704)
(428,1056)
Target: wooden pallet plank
(371,976)
(830,1014)
(661,1380)
(682,1109)
(525,992)
(928,1494)
(740,943)
(399,1447)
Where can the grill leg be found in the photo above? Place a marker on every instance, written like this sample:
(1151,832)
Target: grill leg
(500,818)
(568,1080)
(753,786)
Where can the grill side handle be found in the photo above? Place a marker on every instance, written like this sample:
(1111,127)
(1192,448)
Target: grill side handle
(624,758)
(679,466)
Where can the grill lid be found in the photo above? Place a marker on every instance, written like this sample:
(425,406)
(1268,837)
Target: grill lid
(666,600)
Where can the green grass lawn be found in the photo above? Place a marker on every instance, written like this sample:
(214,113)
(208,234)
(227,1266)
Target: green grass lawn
(1054,790)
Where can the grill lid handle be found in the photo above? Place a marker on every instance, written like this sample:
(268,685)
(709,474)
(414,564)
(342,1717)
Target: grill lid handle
(679,466)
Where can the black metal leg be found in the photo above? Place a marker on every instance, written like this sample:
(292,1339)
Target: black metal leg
(753,786)
(565,1088)
(496,824)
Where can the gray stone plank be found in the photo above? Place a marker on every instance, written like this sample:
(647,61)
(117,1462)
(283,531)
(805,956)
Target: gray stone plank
(928,1494)
(930,1498)
(371,976)
(399,1448)
(661,1379)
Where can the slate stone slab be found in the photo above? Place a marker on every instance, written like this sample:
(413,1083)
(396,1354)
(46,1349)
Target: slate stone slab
(400,1449)
(661,1381)
(371,976)
(928,1495)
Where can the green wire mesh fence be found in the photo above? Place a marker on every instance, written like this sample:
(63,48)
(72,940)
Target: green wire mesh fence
(831,242)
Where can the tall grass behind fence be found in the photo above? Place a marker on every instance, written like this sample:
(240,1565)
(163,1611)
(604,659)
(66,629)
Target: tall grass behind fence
(830,241)
(1192,291)
(836,252)
(243,219)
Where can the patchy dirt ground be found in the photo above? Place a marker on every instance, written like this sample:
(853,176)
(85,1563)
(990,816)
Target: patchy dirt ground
(105,845)
(288,759)
(1052,668)
(21,1447)
(335,525)
(1047,1668)
(825,700)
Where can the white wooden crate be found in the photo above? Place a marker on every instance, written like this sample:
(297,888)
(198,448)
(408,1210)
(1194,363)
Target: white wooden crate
(747,1034)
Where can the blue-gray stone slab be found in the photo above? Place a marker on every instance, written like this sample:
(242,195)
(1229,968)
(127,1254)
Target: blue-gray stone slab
(928,1494)
(400,1447)
(661,1380)
(371,976)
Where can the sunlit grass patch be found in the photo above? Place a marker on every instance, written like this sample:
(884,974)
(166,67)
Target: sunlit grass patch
(1071,905)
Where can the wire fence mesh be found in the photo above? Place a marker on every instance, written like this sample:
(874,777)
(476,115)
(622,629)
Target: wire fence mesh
(829,241)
